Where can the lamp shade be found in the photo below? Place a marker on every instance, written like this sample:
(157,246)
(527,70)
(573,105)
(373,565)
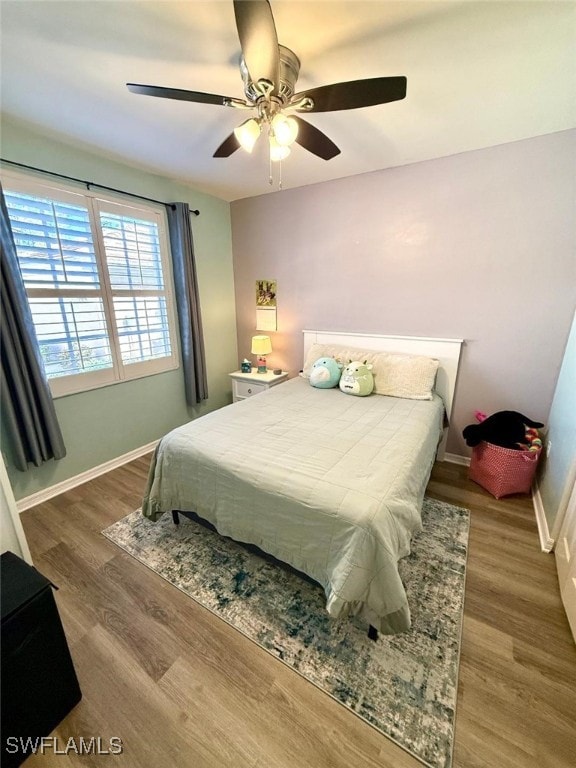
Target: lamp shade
(261,345)
(278,151)
(247,134)
(285,129)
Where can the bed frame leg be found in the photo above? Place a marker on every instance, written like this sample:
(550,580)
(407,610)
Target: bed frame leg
(372,633)
(175,517)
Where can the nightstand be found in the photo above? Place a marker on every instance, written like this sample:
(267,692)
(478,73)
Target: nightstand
(249,384)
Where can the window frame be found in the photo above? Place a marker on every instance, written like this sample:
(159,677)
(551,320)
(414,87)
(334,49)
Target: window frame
(96,204)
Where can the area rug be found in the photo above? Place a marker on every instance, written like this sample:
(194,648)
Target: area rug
(404,685)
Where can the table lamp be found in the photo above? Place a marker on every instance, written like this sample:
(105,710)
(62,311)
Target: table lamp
(261,346)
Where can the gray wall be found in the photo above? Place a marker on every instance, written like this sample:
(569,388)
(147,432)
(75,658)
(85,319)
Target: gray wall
(479,245)
(103,424)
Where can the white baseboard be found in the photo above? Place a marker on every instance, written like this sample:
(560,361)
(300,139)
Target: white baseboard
(546,541)
(455,458)
(66,485)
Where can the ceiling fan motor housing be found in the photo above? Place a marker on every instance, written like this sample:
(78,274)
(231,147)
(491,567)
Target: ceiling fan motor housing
(288,75)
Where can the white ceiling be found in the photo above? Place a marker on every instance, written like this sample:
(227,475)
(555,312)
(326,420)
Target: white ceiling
(479,74)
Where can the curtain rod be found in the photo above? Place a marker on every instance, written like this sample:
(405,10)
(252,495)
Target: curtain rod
(92,184)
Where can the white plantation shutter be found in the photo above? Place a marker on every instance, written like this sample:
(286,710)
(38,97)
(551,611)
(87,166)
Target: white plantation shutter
(132,252)
(54,242)
(72,334)
(142,328)
(134,258)
(95,273)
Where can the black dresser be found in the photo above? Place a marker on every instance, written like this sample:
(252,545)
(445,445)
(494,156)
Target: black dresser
(39,684)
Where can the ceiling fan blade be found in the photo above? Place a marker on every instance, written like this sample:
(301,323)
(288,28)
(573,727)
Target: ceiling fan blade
(314,140)
(182,95)
(354,94)
(228,146)
(258,39)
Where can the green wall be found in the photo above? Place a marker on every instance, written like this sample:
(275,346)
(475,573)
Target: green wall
(106,423)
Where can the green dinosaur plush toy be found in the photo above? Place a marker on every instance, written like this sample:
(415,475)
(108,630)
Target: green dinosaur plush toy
(357,379)
(325,373)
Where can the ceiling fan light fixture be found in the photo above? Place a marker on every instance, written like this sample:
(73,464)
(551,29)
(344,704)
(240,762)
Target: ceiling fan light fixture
(285,129)
(278,151)
(270,72)
(247,134)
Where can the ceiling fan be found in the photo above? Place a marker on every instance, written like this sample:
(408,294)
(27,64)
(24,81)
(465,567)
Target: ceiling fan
(269,72)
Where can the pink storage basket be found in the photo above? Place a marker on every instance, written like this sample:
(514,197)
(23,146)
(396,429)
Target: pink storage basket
(503,471)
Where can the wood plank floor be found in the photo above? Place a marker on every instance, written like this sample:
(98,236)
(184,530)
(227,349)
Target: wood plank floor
(182,688)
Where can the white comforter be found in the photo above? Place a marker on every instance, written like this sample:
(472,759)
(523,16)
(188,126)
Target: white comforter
(329,483)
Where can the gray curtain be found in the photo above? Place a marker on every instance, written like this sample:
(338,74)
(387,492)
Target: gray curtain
(27,405)
(188,302)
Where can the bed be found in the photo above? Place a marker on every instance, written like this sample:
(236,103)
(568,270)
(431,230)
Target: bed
(328,483)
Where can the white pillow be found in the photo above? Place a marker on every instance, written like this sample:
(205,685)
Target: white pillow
(341,353)
(395,374)
(409,376)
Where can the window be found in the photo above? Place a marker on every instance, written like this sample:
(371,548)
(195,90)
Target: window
(95,273)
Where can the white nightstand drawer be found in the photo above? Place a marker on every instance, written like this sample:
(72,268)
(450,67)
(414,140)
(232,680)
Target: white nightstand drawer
(248,388)
(248,384)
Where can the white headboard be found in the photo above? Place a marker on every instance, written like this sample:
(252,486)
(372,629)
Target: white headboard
(447,351)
